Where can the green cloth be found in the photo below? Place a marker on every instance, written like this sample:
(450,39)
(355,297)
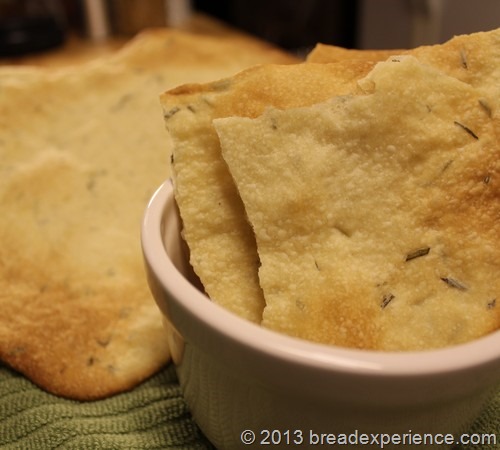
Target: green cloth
(152,416)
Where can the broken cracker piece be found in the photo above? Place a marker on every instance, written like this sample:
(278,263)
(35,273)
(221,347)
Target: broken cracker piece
(374,224)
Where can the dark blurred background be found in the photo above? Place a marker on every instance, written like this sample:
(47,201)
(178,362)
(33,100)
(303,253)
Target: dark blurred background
(295,25)
(291,24)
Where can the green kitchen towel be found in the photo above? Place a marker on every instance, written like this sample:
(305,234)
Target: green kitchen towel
(152,416)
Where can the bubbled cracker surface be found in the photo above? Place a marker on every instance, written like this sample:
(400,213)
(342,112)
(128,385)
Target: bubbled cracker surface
(222,245)
(82,150)
(472,58)
(341,195)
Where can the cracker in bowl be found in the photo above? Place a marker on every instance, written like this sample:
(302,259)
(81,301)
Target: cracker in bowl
(472,58)
(221,241)
(376,214)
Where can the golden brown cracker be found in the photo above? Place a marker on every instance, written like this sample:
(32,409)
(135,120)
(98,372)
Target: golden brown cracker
(471,58)
(82,149)
(222,245)
(327,53)
(375,215)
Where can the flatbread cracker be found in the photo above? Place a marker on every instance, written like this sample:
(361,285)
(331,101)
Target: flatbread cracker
(222,245)
(81,151)
(327,53)
(223,251)
(376,215)
(472,58)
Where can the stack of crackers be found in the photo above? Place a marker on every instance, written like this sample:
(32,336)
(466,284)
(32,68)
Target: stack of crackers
(351,200)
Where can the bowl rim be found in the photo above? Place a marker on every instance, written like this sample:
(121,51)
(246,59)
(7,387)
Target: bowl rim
(482,351)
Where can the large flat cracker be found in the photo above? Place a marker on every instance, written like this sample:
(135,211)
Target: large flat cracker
(472,58)
(222,245)
(327,53)
(376,216)
(81,151)
(223,251)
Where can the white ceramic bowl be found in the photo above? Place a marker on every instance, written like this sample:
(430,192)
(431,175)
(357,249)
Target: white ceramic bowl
(244,382)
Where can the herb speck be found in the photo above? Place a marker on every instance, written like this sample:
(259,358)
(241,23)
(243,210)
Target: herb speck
(454,283)
(388,298)
(168,114)
(467,129)
(486,107)
(417,253)
(463,58)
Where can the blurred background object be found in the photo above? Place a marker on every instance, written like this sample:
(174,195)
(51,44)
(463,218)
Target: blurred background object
(130,16)
(97,20)
(28,26)
(410,23)
(365,24)
(295,25)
